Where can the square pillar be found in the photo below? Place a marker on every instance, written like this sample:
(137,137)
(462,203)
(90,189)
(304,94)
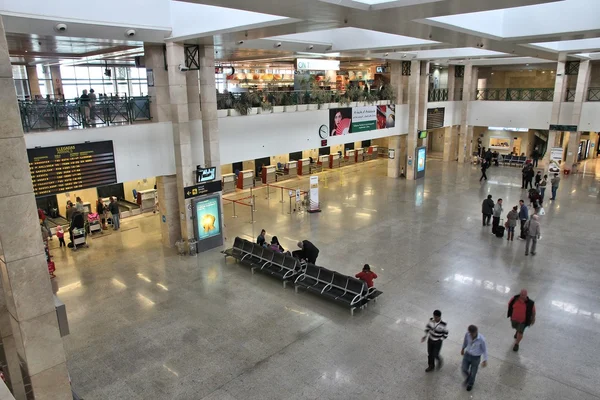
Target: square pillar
(464,144)
(208,104)
(451,82)
(57,82)
(413,117)
(28,299)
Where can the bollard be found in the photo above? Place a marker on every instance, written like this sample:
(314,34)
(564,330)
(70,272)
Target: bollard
(268,192)
(290,205)
(281,195)
(252,214)
(233,216)
(253,202)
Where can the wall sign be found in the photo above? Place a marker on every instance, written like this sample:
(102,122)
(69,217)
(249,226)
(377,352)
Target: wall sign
(202,189)
(317,65)
(563,128)
(343,121)
(72,167)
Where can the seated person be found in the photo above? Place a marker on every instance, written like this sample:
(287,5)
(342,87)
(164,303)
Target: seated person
(260,240)
(367,275)
(275,246)
(308,252)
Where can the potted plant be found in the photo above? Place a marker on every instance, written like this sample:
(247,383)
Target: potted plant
(355,94)
(242,105)
(277,100)
(387,94)
(289,102)
(371,98)
(224,104)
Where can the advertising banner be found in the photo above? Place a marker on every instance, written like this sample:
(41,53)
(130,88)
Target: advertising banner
(556,153)
(420,156)
(207,214)
(314,192)
(347,120)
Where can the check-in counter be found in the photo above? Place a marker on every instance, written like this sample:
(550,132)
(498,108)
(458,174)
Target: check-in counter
(351,156)
(304,166)
(245,179)
(334,160)
(228,183)
(292,169)
(268,173)
(359,154)
(324,160)
(146,199)
(373,152)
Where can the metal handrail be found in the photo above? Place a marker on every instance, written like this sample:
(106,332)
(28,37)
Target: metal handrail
(438,95)
(515,94)
(52,115)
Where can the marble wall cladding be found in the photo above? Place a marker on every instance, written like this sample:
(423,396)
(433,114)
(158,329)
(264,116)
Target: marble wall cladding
(52,383)
(19,227)
(15,177)
(393,169)
(10,123)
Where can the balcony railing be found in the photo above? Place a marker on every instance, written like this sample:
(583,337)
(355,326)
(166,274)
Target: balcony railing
(68,114)
(544,94)
(570,95)
(438,95)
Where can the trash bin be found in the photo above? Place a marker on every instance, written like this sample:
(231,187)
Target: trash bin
(193,247)
(181,247)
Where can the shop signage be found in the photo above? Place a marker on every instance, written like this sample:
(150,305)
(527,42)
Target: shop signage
(317,65)
(563,128)
(202,189)
(343,121)
(72,167)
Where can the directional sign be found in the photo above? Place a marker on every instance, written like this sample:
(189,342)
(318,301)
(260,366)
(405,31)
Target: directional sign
(563,128)
(202,189)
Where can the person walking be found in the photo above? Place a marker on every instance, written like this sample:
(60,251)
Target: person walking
(533,232)
(538,179)
(523,216)
(529,174)
(496,215)
(437,331)
(484,166)
(535,157)
(473,350)
(511,223)
(543,185)
(113,207)
(554,182)
(521,311)
(487,209)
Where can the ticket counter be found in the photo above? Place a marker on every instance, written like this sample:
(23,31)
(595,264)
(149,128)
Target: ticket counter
(351,156)
(292,169)
(245,179)
(334,160)
(228,183)
(268,173)
(304,166)
(373,152)
(360,155)
(146,199)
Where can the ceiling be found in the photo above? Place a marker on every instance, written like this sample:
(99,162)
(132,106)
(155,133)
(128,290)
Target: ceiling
(482,32)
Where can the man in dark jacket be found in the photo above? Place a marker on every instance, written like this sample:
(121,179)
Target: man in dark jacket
(521,311)
(487,209)
(528,174)
(113,207)
(309,251)
(484,166)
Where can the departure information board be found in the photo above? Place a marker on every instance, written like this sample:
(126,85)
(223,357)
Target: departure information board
(76,166)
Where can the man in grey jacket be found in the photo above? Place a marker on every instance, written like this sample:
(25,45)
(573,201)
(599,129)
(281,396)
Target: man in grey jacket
(487,209)
(532,227)
(496,215)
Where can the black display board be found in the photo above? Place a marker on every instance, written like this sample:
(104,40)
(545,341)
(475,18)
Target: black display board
(76,166)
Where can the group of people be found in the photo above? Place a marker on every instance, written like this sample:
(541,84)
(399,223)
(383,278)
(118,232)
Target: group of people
(530,229)
(87,103)
(521,311)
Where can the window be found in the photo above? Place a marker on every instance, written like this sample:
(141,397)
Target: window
(21,81)
(44,80)
(124,81)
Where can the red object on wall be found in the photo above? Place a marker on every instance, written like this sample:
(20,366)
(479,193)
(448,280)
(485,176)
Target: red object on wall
(51,269)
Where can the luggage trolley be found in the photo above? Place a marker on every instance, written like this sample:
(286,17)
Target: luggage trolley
(94,223)
(79,239)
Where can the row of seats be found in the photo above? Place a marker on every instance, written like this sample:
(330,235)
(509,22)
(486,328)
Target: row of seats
(514,160)
(280,265)
(340,288)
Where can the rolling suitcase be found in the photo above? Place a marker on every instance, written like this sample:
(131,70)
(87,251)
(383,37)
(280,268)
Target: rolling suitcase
(500,229)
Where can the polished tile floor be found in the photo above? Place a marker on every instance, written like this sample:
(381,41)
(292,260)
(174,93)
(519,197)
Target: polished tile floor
(148,324)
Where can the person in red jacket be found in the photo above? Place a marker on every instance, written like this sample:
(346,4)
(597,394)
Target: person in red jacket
(367,275)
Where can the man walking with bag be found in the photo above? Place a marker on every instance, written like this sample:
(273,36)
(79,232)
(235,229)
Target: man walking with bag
(523,216)
(521,311)
(437,331)
(487,209)
(497,215)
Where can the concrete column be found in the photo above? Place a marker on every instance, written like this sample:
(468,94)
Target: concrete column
(560,90)
(160,104)
(423,99)
(572,149)
(12,373)
(208,102)
(583,81)
(594,146)
(26,284)
(413,116)
(464,145)
(57,82)
(34,83)
(447,154)
(181,136)
(395,164)
(451,82)
(193,95)
(170,226)
(396,81)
